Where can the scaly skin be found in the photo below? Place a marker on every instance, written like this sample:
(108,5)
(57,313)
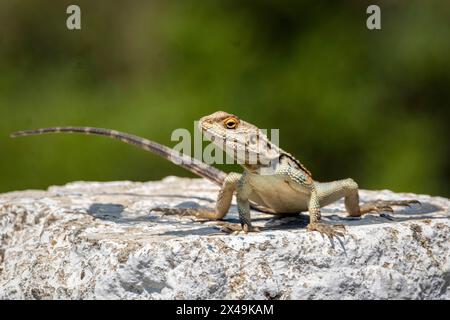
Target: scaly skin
(277,180)
(273,180)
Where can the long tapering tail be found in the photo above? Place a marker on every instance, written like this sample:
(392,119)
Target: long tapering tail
(195,166)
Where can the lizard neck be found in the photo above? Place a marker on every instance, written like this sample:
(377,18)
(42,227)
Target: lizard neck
(284,159)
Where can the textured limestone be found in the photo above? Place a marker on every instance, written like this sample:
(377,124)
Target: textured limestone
(103,241)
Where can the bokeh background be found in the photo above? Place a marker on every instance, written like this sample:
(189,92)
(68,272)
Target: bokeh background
(349,102)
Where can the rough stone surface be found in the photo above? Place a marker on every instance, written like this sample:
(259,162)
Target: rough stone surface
(89,240)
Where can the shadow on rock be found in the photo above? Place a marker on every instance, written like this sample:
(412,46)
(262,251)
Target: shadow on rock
(106,211)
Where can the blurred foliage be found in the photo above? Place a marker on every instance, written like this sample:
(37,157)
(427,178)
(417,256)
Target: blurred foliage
(349,102)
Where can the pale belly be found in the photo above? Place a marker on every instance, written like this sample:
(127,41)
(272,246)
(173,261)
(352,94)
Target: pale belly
(278,194)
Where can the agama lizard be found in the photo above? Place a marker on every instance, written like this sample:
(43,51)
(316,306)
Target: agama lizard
(288,187)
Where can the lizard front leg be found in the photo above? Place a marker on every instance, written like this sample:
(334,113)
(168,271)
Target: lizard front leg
(223,202)
(224,198)
(315,224)
(304,183)
(243,193)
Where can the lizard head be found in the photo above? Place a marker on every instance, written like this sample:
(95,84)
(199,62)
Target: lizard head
(243,141)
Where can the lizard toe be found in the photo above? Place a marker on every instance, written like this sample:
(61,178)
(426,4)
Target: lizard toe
(385,206)
(329,230)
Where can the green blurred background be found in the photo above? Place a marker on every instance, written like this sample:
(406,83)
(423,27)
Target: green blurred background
(349,102)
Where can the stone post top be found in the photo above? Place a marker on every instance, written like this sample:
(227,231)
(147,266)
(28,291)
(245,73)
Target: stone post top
(106,240)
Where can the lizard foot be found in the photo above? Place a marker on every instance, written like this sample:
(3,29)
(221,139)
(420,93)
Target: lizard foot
(233,228)
(201,214)
(330,230)
(383,205)
(227,227)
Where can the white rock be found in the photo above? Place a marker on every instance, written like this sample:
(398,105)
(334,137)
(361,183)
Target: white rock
(91,240)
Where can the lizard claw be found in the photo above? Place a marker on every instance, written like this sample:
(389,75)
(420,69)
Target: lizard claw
(330,230)
(230,228)
(198,214)
(234,228)
(246,229)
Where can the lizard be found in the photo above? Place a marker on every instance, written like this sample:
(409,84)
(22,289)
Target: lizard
(272,181)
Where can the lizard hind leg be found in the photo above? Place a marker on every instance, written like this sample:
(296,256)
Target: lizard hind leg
(331,191)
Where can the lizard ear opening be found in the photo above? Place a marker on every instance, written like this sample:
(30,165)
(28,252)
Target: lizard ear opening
(230,123)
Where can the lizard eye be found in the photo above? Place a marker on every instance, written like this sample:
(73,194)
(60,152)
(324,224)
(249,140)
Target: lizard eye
(231,123)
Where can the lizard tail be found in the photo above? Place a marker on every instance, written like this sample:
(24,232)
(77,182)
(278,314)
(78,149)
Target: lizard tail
(195,166)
